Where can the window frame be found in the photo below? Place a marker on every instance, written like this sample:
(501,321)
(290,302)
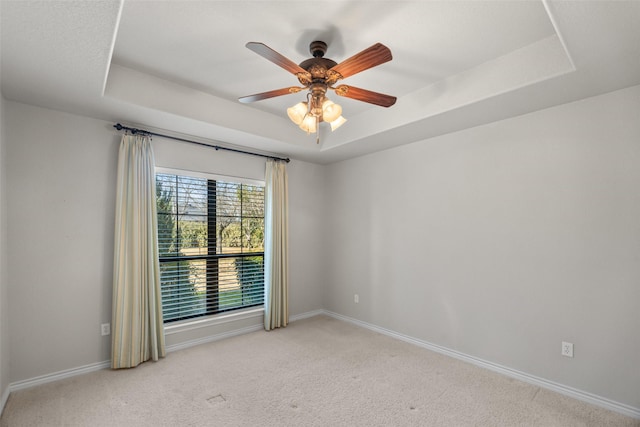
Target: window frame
(212,309)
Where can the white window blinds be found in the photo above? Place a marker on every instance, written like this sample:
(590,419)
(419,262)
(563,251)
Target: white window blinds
(211,244)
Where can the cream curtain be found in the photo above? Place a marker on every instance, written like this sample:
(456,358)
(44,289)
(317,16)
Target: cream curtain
(137,329)
(276,251)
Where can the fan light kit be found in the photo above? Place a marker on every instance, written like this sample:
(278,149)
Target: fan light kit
(317,75)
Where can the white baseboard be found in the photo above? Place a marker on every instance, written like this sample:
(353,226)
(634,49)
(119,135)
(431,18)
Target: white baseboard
(43,379)
(67,373)
(306,315)
(584,396)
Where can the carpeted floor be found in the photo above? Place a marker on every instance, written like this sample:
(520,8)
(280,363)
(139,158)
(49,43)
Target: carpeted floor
(316,372)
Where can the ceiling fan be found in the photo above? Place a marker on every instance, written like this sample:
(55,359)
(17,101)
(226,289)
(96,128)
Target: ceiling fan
(317,75)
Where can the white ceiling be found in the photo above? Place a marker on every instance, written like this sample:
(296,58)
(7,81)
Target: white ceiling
(179,66)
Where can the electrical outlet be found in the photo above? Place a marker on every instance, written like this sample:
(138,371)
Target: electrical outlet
(105,329)
(567,349)
(356,298)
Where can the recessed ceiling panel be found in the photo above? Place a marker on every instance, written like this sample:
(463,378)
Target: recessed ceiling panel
(202,44)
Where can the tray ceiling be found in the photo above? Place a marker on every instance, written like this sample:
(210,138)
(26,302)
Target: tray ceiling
(181,65)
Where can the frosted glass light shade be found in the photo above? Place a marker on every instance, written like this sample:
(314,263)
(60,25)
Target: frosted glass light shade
(330,111)
(297,112)
(309,124)
(337,123)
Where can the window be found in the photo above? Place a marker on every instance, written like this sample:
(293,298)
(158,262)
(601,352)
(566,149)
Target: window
(211,244)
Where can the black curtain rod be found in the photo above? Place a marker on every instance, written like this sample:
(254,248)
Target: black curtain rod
(134,131)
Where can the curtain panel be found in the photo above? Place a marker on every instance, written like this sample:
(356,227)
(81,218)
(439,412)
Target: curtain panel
(276,248)
(137,331)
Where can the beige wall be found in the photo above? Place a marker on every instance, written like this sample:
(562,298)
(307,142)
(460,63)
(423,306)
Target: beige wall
(502,241)
(60,213)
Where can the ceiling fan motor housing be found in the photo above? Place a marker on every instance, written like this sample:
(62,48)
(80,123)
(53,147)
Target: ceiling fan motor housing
(318,66)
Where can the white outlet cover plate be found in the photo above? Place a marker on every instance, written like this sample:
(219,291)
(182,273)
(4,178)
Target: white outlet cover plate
(567,349)
(105,329)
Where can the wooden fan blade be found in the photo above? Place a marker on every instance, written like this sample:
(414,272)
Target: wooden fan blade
(273,56)
(365,95)
(370,57)
(270,94)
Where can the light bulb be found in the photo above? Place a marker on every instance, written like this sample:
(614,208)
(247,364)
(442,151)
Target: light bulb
(309,124)
(337,123)
(297,112)
(330,111)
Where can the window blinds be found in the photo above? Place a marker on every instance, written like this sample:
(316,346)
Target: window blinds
(210,238)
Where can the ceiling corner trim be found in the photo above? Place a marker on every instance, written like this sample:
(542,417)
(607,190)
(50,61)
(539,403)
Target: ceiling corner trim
(112,46)
(556,27)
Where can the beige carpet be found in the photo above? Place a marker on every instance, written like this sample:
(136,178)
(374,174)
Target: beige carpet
(316,372)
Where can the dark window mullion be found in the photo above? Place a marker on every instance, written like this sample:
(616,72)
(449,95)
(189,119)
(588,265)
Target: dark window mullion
(212,263)
(177,243)
(241,267)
